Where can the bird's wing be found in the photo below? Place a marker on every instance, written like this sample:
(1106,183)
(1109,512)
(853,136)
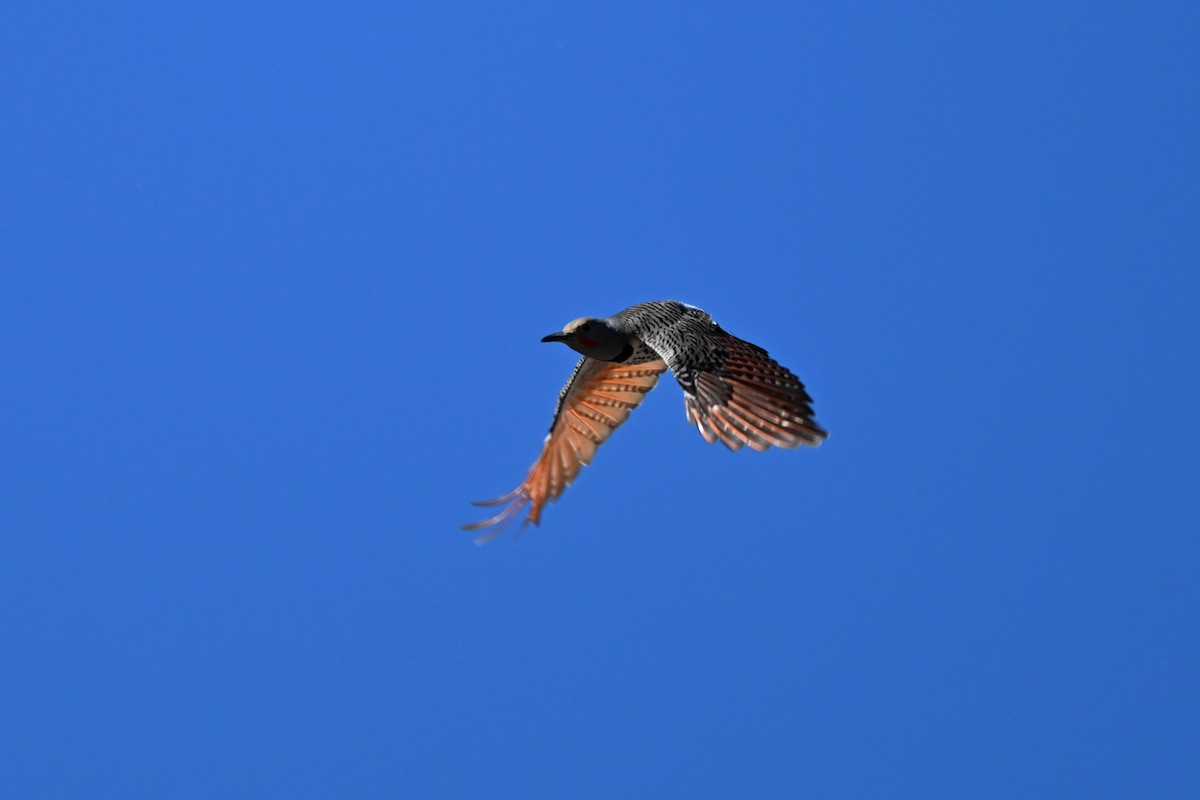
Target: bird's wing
(744,397)
(597,398)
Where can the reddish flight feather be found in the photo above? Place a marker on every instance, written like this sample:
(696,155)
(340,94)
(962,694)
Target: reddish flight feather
(596,400)
(751,400)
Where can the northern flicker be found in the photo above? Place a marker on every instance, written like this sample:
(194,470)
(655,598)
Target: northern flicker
(733,392)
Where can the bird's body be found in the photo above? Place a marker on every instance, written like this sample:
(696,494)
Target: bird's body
(733,392)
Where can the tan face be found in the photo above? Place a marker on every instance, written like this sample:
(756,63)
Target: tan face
(585,331)
(590,337)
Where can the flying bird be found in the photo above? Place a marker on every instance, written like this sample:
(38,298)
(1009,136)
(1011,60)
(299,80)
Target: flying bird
(733,392)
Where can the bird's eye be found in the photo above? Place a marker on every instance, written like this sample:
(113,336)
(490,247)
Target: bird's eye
(584,326)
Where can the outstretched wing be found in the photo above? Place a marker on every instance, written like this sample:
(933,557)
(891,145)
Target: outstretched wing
(744,397)
(597,398)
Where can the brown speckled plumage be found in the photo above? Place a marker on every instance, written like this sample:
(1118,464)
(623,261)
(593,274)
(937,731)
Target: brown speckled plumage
(733,393)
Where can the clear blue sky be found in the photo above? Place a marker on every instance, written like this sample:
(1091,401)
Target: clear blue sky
(273,281)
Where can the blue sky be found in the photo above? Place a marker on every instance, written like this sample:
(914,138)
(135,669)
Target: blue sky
(274,282)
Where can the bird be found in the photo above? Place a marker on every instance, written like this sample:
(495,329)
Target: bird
(733,392)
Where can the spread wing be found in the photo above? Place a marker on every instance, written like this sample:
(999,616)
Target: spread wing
(746,398)
(597,398)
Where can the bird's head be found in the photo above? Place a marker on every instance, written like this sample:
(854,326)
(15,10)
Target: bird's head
(592,337)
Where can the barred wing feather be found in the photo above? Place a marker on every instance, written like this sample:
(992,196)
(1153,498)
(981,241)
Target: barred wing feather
(596,400)
(750,399)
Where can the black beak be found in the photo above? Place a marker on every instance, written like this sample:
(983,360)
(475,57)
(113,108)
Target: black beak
(555,337)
